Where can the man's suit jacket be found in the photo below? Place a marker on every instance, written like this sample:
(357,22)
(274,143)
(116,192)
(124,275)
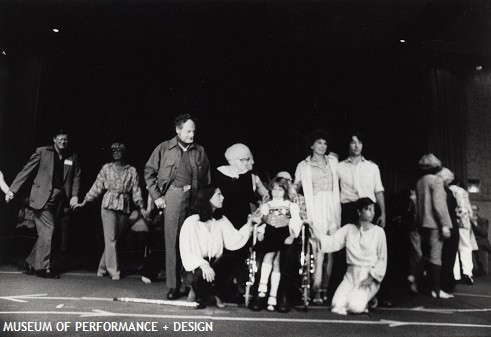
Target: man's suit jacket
(41,164)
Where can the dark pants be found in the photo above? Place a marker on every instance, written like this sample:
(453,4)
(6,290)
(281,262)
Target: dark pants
(44,219)
(236,260)
(154,261)
(176,201)
(291,279)
(449,253)
(203,289)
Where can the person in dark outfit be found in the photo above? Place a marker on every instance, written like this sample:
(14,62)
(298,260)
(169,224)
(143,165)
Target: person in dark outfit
(239,186)
(56,181)
(451,245)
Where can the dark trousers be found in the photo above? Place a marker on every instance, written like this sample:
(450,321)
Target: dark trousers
(449,253)
(236,260)
(176,201)
(291,279)
(154,261)
(40,257)
(203,289)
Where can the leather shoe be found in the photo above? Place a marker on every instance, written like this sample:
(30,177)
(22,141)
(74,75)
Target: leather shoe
(466,279)
(284,305)
(28,269)
(386,304)
(258,303)
(47,274)
(200,305)
(172,294)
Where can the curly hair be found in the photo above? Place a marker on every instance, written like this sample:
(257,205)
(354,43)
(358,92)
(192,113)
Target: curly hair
(316,135)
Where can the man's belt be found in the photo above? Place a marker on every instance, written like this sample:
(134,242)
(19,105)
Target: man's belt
(181,188)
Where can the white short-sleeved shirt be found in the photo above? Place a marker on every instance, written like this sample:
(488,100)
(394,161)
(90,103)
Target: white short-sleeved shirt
(361,180)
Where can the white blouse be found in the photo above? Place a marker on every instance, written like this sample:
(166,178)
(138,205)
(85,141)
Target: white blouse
(364,248)
(198,245)
(295,223)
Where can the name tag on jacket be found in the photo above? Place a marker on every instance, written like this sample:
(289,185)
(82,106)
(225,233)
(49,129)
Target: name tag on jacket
(68,162)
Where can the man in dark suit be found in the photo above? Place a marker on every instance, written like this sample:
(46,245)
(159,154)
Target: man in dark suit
(56,180)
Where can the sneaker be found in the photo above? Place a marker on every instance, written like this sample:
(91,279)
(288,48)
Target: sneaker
(433,294)
(115,278)
(445,295)
(339,311)
(146,280)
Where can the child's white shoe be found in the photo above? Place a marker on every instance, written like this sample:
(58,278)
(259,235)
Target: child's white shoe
(271,303)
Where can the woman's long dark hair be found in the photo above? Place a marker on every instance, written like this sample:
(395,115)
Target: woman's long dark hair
(202,205)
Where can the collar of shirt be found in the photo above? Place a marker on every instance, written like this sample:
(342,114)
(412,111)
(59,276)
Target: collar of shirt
(228,171)
(174,143)
(350,160)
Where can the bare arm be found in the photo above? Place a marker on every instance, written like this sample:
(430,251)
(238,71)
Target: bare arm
(263,191)
(381,203)
(3,185)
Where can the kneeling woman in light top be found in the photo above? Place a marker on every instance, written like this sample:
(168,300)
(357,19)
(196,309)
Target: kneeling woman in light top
(203,237)
(366,256)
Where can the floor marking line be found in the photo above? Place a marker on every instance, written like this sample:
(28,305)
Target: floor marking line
(24,298)
(251,319)
(472,295)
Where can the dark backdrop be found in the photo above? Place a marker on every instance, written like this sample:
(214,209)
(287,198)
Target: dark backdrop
(261,73)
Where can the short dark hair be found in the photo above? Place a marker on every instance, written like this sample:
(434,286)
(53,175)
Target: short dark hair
(362,203)
(356,134)
(281,182)
(202,205)
(316,135)
(60,131)
(183,118)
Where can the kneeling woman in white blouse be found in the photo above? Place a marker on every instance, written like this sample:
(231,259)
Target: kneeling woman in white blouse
(366,256)
(201,241)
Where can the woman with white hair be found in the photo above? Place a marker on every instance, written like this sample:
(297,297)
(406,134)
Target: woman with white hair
(239,186)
